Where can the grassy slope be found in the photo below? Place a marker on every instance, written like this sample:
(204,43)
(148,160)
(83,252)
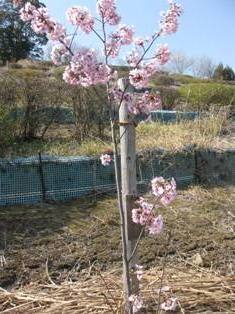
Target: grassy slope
(203,133)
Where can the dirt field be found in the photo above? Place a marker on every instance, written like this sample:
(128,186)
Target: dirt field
(62,242)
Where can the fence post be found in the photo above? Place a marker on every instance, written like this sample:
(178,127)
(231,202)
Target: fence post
(42,177)
(128,178)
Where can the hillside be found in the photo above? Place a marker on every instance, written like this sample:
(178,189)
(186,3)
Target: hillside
(39,112)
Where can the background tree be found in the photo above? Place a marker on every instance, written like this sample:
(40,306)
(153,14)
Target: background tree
(228,74)
(180,63)
(203,67)
(17,39)
(218,74)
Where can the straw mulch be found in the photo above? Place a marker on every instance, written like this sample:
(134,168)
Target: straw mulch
(197,291)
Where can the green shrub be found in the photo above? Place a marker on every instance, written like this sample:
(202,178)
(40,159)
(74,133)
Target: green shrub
(15,66)
(163,79)
(203,96)
(169,96)
(9,127)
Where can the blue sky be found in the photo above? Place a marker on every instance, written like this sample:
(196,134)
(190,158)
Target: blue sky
(207,27)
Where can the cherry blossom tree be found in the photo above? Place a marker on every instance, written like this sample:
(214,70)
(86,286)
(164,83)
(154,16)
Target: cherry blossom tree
(84,68)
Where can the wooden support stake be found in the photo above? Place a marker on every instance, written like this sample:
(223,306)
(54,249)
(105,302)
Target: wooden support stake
(42,177)
(128,180)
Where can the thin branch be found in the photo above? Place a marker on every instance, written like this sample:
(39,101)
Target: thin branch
(98,35)
(163,272)
(154,38)
(126,270)
(74,34)
(136,245)
(98,20)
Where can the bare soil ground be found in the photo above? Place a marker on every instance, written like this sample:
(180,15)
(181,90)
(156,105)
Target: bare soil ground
(68,243)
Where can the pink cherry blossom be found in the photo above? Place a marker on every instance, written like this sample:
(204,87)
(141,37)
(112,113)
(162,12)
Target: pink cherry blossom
(145,216)
(139,271)
(86,70)
(125,34)
(145,104)
(57,32)
(117,96)
(164,190)
(163,54)
(60,54)
(133,58)
(139,41)
(136,213)
(137,303)
(108,11)
(142,214)
(41,22)
(170,305)
(80,16)
(169,20)
(27,12)
(139,78)
(113,46)
(137,103)
(105,159)
(156,225)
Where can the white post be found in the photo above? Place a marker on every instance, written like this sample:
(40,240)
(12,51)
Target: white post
(128,180)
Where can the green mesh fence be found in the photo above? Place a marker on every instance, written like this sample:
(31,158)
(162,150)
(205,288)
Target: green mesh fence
(31,180)
(172,116)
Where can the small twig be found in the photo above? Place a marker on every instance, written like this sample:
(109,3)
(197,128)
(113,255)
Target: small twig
(105,283)
(74,34)
(163,272)
(48,275)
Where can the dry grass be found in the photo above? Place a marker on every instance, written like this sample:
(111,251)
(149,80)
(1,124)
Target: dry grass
(196,291)
(201,221)
(203,133)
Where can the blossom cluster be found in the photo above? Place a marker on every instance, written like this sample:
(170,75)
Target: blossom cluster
(137,103)
(105,159)
(162,54)
(137,302)
(143,71)
(170,305)
(80,16)
(169,20)
(164,190)
(108,11)
(123,36)
(145,104)
(145,216)
(60,54)
(42,23)
(85,70)
(139,271)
